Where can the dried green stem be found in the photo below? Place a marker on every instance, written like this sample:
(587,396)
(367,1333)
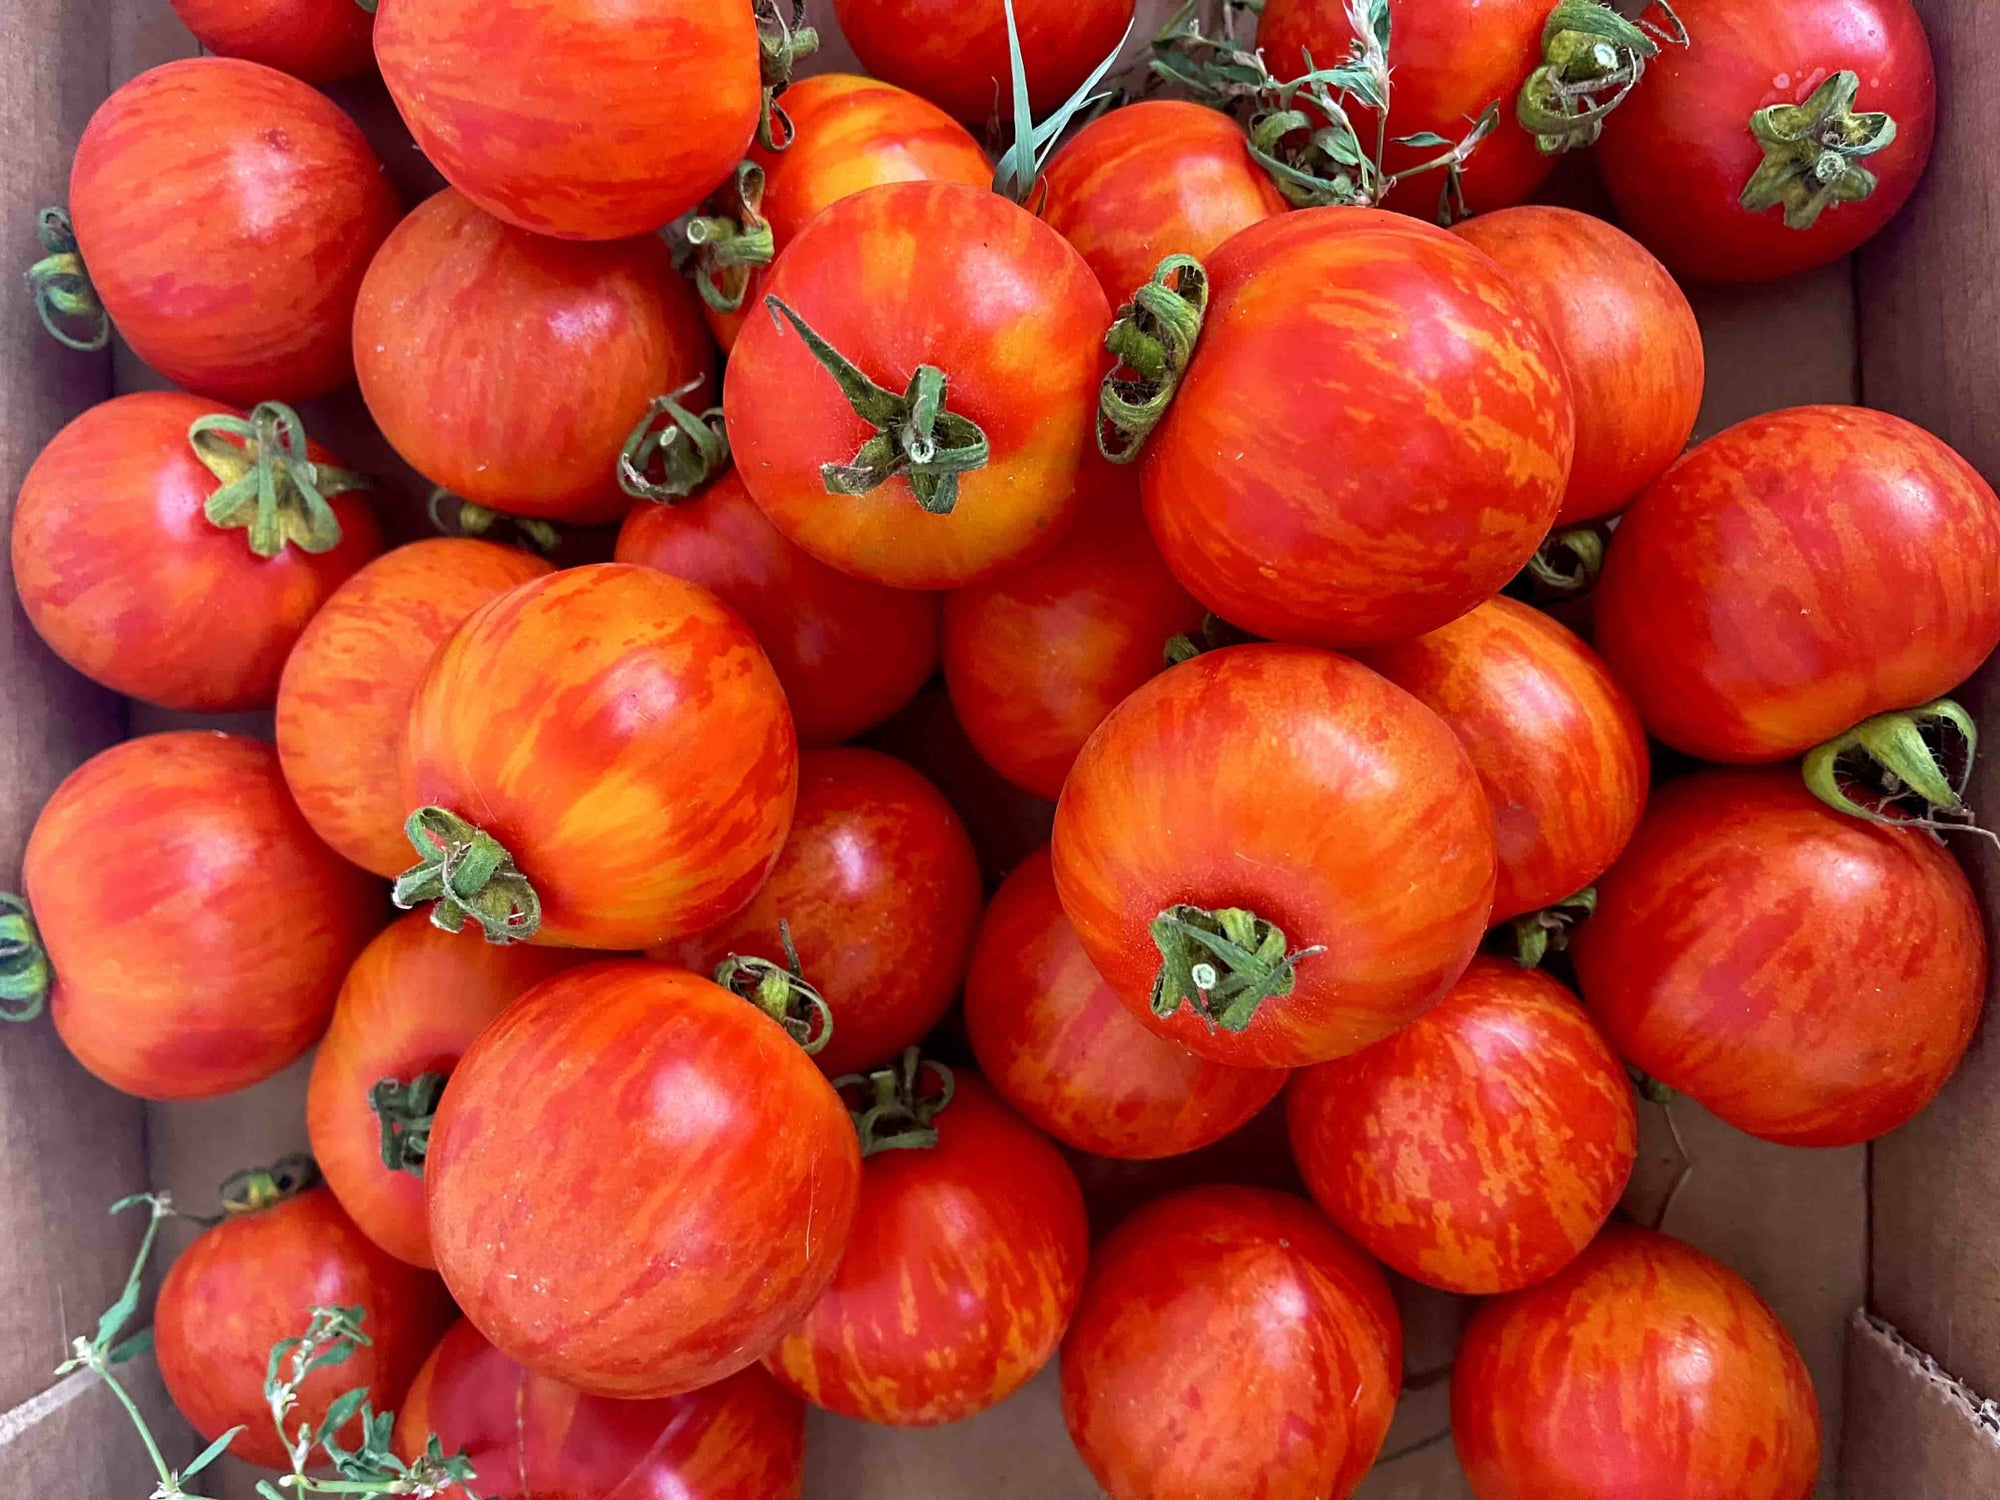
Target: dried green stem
(1813,152)
(1567,565)
(781,991)
(729,239)
(672,452)
(1903,755)
(65,299)
(1539,933)
(783,41)
(1213,634)
(405,1111)
(270,486)
(25,974)
(466,873)
(454,515)
(896,1112)
(1592,59)
(1225,964)
(255,1189)
(1153,339)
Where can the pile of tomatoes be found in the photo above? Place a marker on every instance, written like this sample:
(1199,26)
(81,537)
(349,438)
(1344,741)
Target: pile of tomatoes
(700,1074)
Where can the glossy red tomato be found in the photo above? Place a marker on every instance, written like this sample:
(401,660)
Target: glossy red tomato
(1797,574)
(1231,1342)
(638,1182)
(1269,486)
(511,368)
(210,958)
(1559,751)
(900,279)
(1809,977)
(226,212)
(1643,1370)
(1626,335)
(321,41)
(1297,791)
(1680,155)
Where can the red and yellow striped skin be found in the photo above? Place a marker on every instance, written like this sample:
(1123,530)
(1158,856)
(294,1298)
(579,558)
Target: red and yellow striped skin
(127,581)
(1643,1370)
(1060,1047)
(528,1438)
(1796,574)
(849,652)
(623,736)
(320,41)
(1231,1342)
(226,211)
(1157,178)
(881,890)
(1304,788)
(511,368)
(1811,978)
(197,928)
(899,276)
(638,1182)
(1374,433)
(1559,751)
(581,119)
(1481,1147)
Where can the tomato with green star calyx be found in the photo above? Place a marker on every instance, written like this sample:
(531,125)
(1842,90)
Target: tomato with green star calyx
(320,41)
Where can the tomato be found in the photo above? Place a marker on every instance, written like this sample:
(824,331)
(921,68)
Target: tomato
(126,578)
(638,1182)
(1231,1342)
(1627,336)
(1305,809)
(1643,1370)
(1058,1045)
(226,212)
(1800,572)
(1559,751)
(320,41)
(1809,977)
(510,368)
(1269,486)
(900,280)
(623,738)
(880,890)
(1685,162)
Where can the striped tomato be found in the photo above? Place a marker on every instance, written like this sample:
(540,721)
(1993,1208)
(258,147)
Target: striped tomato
(321,41)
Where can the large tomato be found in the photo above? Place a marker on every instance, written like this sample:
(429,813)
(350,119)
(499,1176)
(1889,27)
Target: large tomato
(226,212)
(197,928)
(1231,1342)
(1501,1110)
(623,738)
(1062,1049)
(1317,821)
(638,1182)
(1796,574)
(906,284)
(1809,977)
(321,41)
(511,368)
(1643,1370)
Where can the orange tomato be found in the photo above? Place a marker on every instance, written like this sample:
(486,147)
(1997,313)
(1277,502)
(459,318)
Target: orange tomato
(321,41)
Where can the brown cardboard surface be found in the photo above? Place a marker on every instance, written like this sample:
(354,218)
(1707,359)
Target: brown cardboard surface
(76,1443)
(1925,1437)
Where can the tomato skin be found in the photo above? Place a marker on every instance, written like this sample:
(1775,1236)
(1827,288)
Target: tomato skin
(1644,1370)
(1330,803)
(226,211)
(1678,153)
(881,889)
(736,1181)
(319,41)
(1326,328)
(1231,1342)
(1559,750)
(850,653)
(1811,978)
(889,277)
(1796,574)
(623,736)
(254,1279)
(1627,337)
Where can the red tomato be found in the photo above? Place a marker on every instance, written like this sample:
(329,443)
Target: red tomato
(638,1182)
(510,368)
(1054,1040)
(1797,574)
(899,279)
(1269,485)
(320,41)
(226,212)
(880,889)
(583,119)
(1809,977)
(1680,154)
(1627,337)
(1643,1370)
(1231,1342)
(1559,751)
(622,736)
(1296,788)
(210,958)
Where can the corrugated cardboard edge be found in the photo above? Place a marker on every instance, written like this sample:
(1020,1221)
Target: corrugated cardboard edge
(1926,1434)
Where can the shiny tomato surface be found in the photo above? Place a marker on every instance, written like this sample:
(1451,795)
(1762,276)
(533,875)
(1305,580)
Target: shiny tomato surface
(321,41)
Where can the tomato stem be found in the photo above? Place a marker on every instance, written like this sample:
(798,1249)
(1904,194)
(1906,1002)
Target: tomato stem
(1225,964)
(1567,565)
(686,450)
(1539,933)
(1592,59)
(783,40)
(897,1116)
(729,239)
(405,1112)
(1213,634)
(25,974)
(1902,751)
(65,297)
(255,1189)
(467,874)
(469,518)
(781,991)
(1813,152)
(1153,338)
(269,484)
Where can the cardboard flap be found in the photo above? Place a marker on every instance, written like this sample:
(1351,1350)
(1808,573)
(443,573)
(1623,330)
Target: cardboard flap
(1927,1436)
